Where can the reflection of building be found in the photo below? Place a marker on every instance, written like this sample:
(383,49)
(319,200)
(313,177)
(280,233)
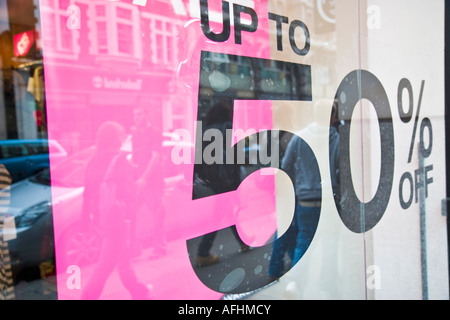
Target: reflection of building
(117,55)
(118,30)
(113,54)
(135,53)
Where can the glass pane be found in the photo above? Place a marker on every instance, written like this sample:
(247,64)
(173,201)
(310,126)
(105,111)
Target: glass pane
(125,35)
(413,228)
(27,259)
(273,149)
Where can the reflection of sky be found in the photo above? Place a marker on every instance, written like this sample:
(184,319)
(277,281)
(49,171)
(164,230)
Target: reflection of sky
(4,23)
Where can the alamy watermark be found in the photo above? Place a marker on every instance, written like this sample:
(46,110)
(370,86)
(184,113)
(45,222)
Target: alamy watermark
(373,281)
(230,146)
(73,281)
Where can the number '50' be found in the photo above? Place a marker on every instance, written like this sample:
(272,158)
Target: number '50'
(236,273)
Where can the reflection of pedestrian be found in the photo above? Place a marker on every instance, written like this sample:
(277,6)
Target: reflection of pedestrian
(218,178)
(300,162)
(149,178)
(110,168)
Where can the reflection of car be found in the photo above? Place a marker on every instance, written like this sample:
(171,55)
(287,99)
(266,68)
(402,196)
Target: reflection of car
(31,205)
(35,199)
(23,158)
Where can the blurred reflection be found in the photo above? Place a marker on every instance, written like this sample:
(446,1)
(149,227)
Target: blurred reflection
(108,192)
(299,161)
(30,235)
(26,157)
(218,178)
(149,180)
(224,79)
(334,154)
(6,276)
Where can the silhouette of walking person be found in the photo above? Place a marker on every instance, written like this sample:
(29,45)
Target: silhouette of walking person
(110,172)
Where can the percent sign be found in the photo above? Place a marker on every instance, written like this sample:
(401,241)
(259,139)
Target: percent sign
(421,179)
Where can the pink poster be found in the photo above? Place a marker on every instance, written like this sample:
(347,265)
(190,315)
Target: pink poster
(122,91)
(165,110)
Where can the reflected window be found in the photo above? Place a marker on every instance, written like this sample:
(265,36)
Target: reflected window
(115,28)
(159,36)
(62,41)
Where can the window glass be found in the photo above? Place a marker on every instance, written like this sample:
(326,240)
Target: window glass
(207,149)
(14,150)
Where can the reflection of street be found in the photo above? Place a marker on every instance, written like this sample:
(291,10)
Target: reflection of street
(177,269)
(148,270)
(39,289)
(177,272)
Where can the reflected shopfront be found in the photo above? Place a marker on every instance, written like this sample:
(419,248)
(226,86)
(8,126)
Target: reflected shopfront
(207,149)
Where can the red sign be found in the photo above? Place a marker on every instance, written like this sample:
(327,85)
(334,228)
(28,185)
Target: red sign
(23,43)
